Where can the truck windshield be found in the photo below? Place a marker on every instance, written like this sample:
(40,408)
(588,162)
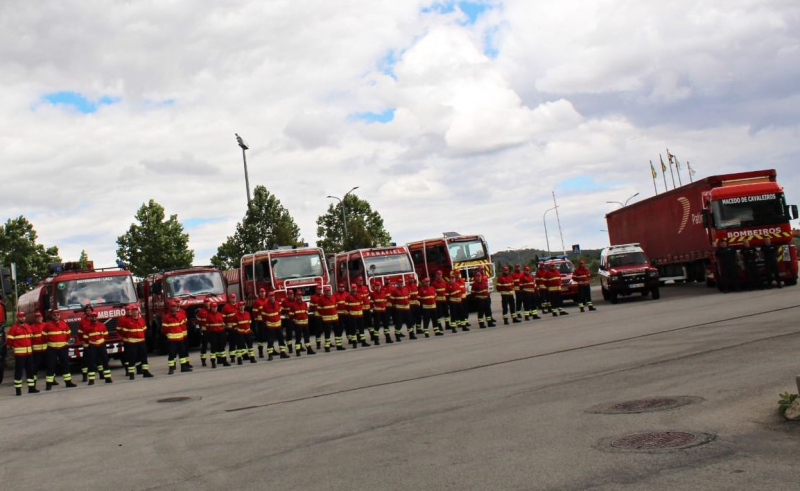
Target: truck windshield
(749,211)
(470,250)
(304,266)
(630,259)
(103,290)
(380,265)
(565,267)
(209,282)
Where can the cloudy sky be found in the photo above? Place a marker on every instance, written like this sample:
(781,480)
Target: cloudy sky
(450,116)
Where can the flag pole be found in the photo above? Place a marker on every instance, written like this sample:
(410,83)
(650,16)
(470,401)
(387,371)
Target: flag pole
(669,161)
(689,166)
(663,172)
(654,174)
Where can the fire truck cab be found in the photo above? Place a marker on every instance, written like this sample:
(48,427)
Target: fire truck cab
(452,251)
(70,288)
(190,287)
(298,268)
(384,265)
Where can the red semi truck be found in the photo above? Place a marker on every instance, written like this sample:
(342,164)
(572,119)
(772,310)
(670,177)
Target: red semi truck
(680,229)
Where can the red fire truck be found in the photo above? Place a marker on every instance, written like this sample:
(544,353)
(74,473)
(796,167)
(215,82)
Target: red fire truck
(680,228)
(298,268)
(190,287)
(70,288)
(384,265)
(452,251)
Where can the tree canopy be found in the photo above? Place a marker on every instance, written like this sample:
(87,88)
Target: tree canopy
(18,245)
(155,242)
(266,224)
(364,226)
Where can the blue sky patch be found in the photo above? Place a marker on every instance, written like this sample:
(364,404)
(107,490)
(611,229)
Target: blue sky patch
(490,48)
(78,101)
(196,222)
(580,183)
(472,10)
(386,64)
(372,117)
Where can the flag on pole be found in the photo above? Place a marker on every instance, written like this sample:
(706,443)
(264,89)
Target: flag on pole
(663,167)
(653,170)
(691,171)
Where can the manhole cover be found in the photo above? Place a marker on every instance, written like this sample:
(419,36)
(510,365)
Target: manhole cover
(656,441)
(174,399)
(645,405)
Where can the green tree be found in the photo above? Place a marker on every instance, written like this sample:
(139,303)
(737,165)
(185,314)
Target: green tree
(18,245)
(155,243)
(266,224)
(364,226)
(83,261)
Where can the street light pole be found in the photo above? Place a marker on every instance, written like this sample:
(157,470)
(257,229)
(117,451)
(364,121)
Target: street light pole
(344,214)
(558,219)
(620,203)
(546,237)
(244,147)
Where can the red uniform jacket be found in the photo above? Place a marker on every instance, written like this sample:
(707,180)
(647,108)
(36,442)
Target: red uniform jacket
(96,333)
(480,288)
(581,275)
(215,322)
(441,289)
(327,308)
(271,314)
(354,307)
(57,334)
(401,298)
(517,275)
(300,312)
(132,330)
(19,338)
(379,300)
(172,326)
(427,296)
(341,303)
(38,344)
(228,312)
(258,308)
(243,321)
(505,284)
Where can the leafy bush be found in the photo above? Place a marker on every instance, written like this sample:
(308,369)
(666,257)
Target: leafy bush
(786,400)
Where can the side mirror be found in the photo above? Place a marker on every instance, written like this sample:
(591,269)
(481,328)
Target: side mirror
(706,220)
(793,212)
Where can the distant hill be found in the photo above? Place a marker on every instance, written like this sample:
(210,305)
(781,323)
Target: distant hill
(529,256)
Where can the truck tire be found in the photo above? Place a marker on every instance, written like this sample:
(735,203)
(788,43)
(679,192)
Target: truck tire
(656,293)
(791,282)
(613,297)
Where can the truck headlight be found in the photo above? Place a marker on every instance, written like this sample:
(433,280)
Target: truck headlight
(615,278)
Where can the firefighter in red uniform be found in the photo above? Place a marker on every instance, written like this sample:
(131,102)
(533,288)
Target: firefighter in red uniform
(343,310)
(454,304)
(519,295)
(19,340)
(202,319)
(315,320)
(465,311)
(380,314)
(228,312)
(302,339)
(427,297)
(582,275)
(553,281)
(244,335)
(505,285)
(287,323)
(38,344)
(132,328)
(401,299)
(328,312)
(83,341)
(215,326)
(442,313)
(260,326)
(529,295)
(96,334)
(480,288)
(56,335)
(541,286)
(366,307)
(172,325)
(355,309)
(272,316)
(416,310)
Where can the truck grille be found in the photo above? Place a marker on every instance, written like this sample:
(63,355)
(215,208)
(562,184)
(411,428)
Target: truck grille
(634,278)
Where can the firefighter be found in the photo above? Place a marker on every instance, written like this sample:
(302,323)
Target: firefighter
(327,308)
(202,318)
(366,307)
(96,333)
(454,300)
(172,325)
(401,299)
(302,336)
(228,312)
(315,320)
(427,297)
(728,277)
(355,306)
(582,275)
(519,295)
(56,335)
(480,288)
(38,344)
(343,310)
(751,272)
(83,341)
(553,281)
(770,253)
(19,339)
(505,285)
(244,335)
(258,320)
(541,286)
(380,314)
(465,311)
(530,299)
(416,310)
(287,323)
(272,316)
(132,328)
(215,326)
(442,314)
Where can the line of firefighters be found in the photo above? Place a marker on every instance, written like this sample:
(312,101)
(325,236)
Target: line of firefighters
(738,268)
(228,331)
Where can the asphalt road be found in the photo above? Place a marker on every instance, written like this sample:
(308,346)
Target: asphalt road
(504,408)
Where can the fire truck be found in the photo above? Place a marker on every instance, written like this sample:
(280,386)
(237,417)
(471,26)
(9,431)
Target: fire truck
(680,228)
(301,269)
(71,287)
(452,251)
(190,287)
(384,265)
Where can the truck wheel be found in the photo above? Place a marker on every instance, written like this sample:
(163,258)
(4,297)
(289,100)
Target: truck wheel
(613,297)
(656,293)
(791,282)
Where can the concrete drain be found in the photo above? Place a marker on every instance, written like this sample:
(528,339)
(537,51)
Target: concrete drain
(174,399)
(645,405)
(664,441)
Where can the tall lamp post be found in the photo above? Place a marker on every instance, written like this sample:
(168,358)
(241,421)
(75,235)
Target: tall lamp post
(344,214)
(621,203)
(546,237)
(244,147)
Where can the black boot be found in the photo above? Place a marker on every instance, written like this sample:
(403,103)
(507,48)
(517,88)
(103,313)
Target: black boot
(340,348)
(327,349)
(438,333)
(108,380)
(91,382)
(48,386)
(563,312)
(376,341)
(239,361)
(389,339)
(492,323)
(591,307)
(261,352)
(397,336)
(224,362)
(253,359)
(555,314)
(269,357)
(297,352)
(412,335)
(505,322)
(310,351)
(536,317)
(319,344)
(515,320)
(203,361)
(84,377)
(213,363)
(481,325)
(70,383)
(284,354)
(18,391)
(33,390)
(464,328)
(171,370)
(55,382)
(185,367)
(453,329)
(131,376)
(289,347)
(527,317)
(147,374)
(139,370)
(581,307)
(364,343)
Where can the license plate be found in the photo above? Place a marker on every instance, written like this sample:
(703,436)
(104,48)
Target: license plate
(636,285)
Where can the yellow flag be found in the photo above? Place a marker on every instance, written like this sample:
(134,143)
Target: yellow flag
(663,167)
(653,170)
